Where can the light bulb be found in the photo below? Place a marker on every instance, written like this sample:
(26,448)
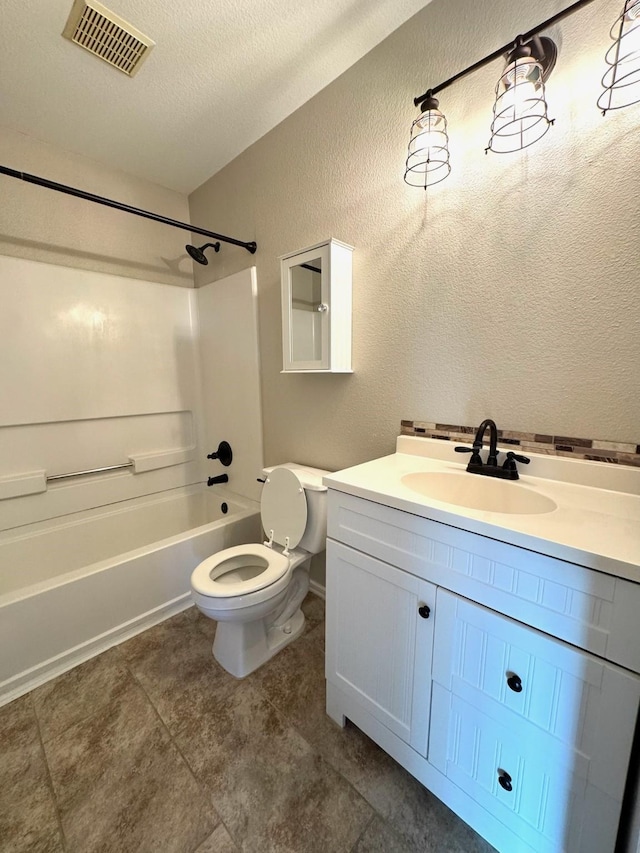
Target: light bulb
(520,111)
(519,99)
(430,133)
(428,157)
(522,71)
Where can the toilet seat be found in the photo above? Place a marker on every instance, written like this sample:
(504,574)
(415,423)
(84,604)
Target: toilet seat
(269,565)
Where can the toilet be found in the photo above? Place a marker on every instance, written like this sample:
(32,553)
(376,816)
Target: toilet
(255,591)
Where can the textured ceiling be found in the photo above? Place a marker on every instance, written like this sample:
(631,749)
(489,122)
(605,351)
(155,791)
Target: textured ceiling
(222,74)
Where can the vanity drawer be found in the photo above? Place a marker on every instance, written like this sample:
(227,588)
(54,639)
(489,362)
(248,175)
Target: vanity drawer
(540,685)
(529,781)
(587,608)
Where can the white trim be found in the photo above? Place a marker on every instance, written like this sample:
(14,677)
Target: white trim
(317,589)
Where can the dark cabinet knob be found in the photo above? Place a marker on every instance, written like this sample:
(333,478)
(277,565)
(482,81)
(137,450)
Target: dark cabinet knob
(514,682)
(424,610)
(504,780)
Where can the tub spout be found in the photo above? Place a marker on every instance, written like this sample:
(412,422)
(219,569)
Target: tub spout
(221,478)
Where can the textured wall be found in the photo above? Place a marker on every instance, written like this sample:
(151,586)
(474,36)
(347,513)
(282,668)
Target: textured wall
(43,225)
(507,291)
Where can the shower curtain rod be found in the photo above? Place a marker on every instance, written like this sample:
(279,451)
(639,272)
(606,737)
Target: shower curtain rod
(127,208)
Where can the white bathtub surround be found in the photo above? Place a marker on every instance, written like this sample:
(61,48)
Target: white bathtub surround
(74,587)
(230,377)
(96,370)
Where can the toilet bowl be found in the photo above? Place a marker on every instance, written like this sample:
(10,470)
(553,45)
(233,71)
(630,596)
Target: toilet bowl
(255,591)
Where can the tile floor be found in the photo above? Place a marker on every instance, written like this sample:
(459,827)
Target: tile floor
(153,748)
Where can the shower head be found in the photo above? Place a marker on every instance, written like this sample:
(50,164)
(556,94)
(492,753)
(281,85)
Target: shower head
(198,253)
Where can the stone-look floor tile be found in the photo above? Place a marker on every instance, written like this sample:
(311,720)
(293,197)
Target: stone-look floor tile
(80,692)
(294,682)
(272,791)
(419,818)
(28,819)
(174,664)
(219,842)
(379,837)
(317,635)
(313,609)
(115,736)
(18,734)
(122,785)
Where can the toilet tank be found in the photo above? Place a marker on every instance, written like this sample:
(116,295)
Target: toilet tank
(315,535)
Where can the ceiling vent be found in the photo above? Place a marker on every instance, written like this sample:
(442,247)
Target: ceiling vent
(108,36)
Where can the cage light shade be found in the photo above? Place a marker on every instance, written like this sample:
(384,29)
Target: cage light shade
(520,110)
(621,80)
(428,157)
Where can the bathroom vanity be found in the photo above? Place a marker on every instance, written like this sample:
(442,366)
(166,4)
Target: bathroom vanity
(494,653)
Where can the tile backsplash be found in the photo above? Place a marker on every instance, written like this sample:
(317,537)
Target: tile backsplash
(594,449)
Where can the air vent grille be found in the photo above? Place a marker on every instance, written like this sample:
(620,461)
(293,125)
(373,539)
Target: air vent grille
(98,30)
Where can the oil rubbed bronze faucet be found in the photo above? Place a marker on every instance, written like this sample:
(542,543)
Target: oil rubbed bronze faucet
(490,468)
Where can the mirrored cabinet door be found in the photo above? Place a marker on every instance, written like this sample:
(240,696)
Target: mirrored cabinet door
(308,310)
(316,309)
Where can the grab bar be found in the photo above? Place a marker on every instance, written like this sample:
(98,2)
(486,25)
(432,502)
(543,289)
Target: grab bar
(35,482)
(90,471)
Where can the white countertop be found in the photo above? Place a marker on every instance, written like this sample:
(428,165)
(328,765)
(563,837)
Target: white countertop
(596,523)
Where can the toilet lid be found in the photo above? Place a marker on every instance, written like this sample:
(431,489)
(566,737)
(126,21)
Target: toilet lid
(283,507)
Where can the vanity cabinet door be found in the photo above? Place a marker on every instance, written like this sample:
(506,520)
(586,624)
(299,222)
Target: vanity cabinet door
(380,625)
(558,723)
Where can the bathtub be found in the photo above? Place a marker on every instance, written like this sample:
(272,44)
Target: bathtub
(74,586)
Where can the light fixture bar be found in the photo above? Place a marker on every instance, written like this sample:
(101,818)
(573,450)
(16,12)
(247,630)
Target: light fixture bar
(502,50)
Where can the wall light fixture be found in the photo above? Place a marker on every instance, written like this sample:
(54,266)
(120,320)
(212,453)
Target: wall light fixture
(520,111)
(428,158)
(621,81)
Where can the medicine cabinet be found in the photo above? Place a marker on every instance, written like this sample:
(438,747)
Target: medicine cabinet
(316,309)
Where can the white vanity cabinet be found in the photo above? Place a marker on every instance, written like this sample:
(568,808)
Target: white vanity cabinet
(526,736)
(316,287)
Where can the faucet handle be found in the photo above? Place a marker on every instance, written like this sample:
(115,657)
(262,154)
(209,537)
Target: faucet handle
(512,458)
(476,459)
(518,458)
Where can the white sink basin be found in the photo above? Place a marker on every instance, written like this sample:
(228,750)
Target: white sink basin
(477,492)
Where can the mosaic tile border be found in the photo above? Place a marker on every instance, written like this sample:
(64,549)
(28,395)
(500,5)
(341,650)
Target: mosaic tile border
(593,449)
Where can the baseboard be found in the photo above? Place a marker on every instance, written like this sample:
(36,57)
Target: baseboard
(26,681)
(317,589)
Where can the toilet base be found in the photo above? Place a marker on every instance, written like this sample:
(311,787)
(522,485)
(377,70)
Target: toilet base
(241,647)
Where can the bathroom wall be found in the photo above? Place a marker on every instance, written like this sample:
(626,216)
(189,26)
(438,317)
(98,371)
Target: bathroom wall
(508,291)
(43,225)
